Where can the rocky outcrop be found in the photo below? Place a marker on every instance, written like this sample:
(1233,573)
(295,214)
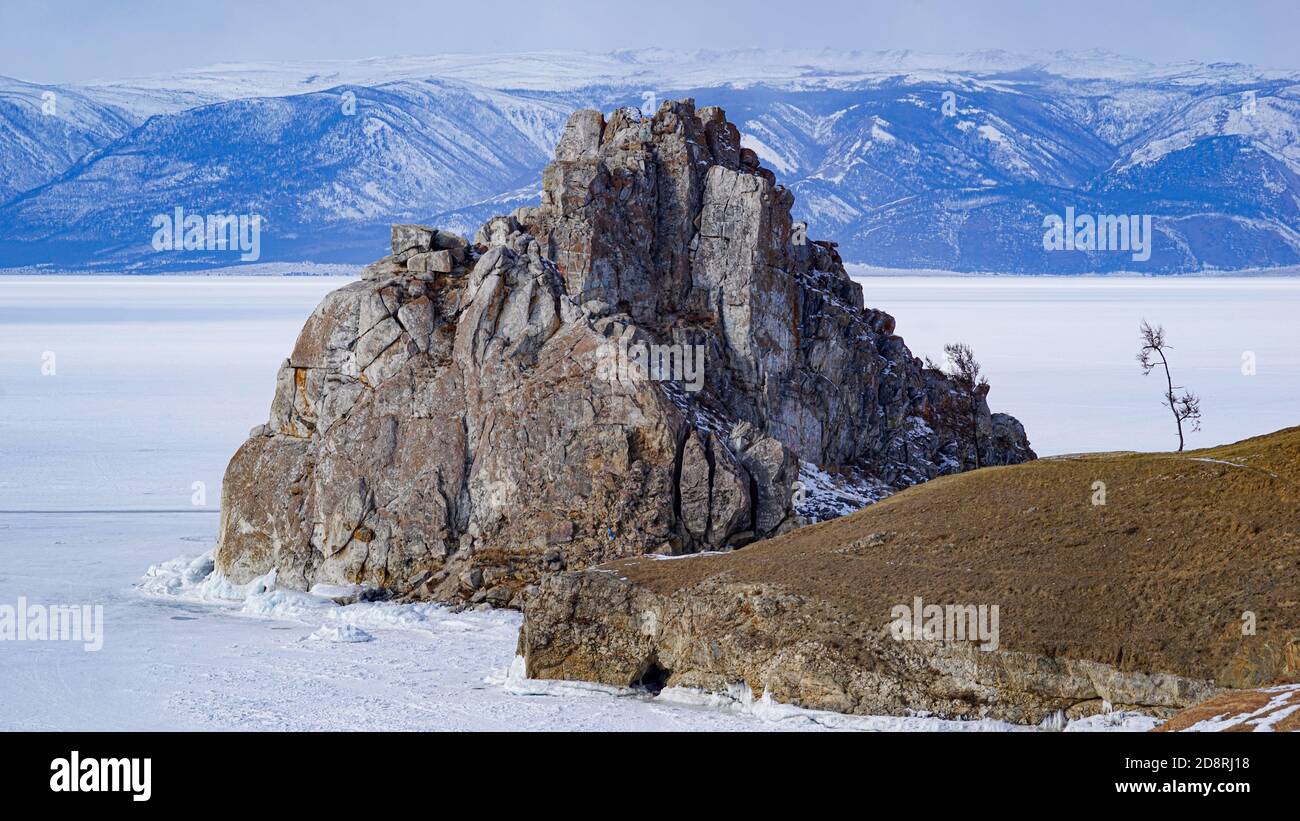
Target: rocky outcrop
(603,627)
(645,362)
(1014,593)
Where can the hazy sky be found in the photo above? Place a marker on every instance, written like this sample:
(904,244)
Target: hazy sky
(76,40)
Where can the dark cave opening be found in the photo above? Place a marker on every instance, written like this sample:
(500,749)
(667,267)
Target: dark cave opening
(653,678)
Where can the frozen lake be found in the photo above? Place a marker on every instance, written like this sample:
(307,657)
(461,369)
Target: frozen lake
(1059,352)
(156,381)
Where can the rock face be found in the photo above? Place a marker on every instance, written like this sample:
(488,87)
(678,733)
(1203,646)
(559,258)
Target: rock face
(602,627)
(643,363)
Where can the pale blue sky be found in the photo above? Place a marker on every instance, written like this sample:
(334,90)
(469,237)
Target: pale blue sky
(77,40)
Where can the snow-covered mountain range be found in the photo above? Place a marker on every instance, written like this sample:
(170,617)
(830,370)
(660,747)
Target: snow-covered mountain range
(908,160)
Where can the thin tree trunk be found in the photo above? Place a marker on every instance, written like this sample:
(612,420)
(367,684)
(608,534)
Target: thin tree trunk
(1169,381)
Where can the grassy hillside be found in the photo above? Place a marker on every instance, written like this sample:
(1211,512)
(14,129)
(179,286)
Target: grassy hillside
(1158,578)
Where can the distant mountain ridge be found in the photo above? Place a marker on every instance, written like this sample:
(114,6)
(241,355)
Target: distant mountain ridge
(906,159)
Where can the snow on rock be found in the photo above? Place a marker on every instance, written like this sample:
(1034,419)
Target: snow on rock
(826,496)
(340,634)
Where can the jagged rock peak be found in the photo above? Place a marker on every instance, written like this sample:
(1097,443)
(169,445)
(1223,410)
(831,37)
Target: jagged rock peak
(647,361)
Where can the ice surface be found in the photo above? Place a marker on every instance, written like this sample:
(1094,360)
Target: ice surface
(156,382)
(1059,352)
(1122,721)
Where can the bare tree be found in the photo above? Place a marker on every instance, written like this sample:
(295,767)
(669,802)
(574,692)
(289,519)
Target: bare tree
(965,371)
(1185,406)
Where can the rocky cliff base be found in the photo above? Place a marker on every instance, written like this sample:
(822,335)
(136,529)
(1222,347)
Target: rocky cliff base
(1135,581)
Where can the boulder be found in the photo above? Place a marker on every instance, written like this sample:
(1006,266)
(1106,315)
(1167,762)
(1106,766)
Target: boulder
(411,239)
(431,262)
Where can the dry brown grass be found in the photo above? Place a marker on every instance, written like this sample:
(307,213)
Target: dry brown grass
(1242,711)
(1156,579)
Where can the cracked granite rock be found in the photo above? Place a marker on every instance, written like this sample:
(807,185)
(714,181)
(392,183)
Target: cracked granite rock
(448,428)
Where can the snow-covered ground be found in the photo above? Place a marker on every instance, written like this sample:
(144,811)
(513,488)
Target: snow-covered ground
(156,381)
